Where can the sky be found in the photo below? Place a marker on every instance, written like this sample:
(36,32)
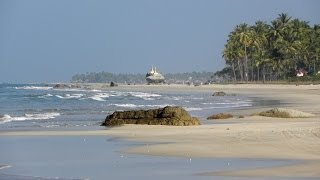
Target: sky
(51,40)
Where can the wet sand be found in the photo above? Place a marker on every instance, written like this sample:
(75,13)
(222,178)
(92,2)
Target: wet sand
(249,137)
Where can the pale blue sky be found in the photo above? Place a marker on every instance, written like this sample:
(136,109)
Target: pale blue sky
(49,41)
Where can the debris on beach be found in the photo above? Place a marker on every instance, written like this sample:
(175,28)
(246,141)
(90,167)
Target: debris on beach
(285,113)
(220,116)
(173,116)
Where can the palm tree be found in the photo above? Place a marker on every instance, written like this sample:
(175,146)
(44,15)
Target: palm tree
(243,34)
(261,30)
(314,46)
(233,55)
(281,42)
(278,48)
(229,56)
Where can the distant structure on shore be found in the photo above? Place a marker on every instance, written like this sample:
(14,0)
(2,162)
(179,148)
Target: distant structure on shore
(153,77)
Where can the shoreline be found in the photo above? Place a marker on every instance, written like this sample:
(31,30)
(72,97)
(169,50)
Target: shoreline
(249,137)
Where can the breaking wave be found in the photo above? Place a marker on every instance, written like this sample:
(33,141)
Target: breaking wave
(141,106)
(100,96)
(37,116)
(70,96)
(143,95)
(216,107)
(34,87)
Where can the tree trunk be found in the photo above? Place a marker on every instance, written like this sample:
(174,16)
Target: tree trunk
(314,67)
(246,63)
(234,73)
(264,73)
(252,74)
(240,70)
(258,73)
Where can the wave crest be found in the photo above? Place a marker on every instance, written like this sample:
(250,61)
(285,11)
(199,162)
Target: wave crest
(36,116)
(34,87)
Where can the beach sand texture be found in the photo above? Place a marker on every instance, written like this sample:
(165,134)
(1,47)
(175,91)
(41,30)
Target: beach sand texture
(248,137)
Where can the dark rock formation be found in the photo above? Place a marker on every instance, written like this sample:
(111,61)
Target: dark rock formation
(112,84)
(219,93)
(67,86)
(174,116)
(220,116)
(60,86)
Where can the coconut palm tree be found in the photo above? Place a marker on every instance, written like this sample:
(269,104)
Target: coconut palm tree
(261,30)
(243,34)
(314,46)
(279,48)
(233,55)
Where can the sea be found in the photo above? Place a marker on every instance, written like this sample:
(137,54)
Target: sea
(37,107)
(40,106)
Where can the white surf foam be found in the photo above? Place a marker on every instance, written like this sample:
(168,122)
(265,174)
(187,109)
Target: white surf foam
(4,166)
(100,96)
(192,109)
(143,95)
(34,87)
(227,103)
(217,107)
(36,116)
(125,105)
(142,106)
(46,95)
(70,96)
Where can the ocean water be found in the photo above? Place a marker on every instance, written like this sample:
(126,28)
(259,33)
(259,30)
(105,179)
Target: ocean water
(39,106)
(100,158)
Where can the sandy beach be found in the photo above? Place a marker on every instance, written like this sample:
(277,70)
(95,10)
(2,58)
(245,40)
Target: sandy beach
(248,137)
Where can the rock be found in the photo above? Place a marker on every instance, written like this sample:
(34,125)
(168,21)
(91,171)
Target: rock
(75,86)
(285,113)
(67,86)
(241,116)
(61,86)
(219,93)
(173,116)
(220,116)
(112,84)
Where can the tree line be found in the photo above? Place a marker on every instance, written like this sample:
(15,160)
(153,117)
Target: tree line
(274,51)
(171,78)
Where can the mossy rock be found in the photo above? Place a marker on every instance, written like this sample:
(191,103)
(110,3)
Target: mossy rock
(285,113)
(220,116)
(219,93)
(172,116)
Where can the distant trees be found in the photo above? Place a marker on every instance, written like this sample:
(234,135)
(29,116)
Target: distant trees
(272,51)
(106,77)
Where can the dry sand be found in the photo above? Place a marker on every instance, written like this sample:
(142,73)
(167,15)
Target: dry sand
(249,137)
